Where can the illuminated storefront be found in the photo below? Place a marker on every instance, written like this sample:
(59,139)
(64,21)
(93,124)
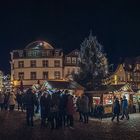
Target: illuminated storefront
(106,96)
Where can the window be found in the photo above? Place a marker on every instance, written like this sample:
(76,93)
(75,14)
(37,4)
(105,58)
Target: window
(33,63)
(33,75)
(57,74)
(73,60)
(76,53)
(45,75)
(138,66)
(57,63)
(121,79)
(29,53)
(128,76)
(45,63)
(68,71)
(68,59)
(21,75)
(73,70)
(56,53)
(21,64)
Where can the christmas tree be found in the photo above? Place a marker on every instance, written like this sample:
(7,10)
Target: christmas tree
(93,63)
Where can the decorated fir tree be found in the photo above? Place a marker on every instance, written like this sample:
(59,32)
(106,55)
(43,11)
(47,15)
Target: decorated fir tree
(93,63)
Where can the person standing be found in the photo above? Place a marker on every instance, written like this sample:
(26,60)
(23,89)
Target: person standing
(79,108)
(30,101)
(63,108)
(100,111)
(54,110)
(85,108)
(1,101)
(70,111)
(12,101)
(116,109)
(45,108)
(19,99)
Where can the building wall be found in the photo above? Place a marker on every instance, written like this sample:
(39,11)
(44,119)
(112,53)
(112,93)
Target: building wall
(1,80)
(52,69)
(70,69)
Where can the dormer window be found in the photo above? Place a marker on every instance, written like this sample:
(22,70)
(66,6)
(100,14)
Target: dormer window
(68,59)
(130,66)
(137,66)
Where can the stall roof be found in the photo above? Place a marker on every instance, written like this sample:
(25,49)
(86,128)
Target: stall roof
(112,88)
(65,85)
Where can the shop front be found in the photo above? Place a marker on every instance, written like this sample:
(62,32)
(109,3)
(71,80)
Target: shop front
(106,96)
(101,97)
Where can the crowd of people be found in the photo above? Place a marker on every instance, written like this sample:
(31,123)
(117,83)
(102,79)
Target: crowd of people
(57,107)
(7,101)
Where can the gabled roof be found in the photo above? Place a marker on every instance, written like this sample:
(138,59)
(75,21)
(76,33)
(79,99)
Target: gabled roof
(113,88)
(65,85)
(118,67)
(73,53)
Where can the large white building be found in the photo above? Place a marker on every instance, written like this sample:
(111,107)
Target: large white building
(39,62)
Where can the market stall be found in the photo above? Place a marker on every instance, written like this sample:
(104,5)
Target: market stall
(106,96)
(101,97)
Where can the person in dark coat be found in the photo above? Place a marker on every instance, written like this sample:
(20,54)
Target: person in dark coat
(85,108)
(45,108)
(116,110)
(30,101)
(63,108)
(70,111)
(6,99)
(54,110)
(100,111)
(125,108)
(79,108)
(19,99)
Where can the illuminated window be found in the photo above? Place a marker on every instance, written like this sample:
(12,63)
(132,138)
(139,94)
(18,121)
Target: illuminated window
(33,63)
(73,70)
(73,60)
(21,64)
(33,75)
(57,74)
(56,53)
(68,59)
(21,75)
(45,75)
(57,63)
(29,53)
(68,71)
(76,53)
(45,63)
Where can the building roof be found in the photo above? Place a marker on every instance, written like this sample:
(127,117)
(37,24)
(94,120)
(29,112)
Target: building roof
(39,45)
(65,85)
(74,53)
(113,88)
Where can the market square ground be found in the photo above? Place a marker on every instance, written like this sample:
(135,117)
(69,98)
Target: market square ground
(12,127)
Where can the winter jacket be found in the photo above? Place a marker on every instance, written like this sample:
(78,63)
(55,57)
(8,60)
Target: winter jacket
(70,105)
(85,104)
(12,99)
(1,98)
(116,107)
(124,104)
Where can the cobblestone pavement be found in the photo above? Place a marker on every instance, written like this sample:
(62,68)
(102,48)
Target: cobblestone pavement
(12,127)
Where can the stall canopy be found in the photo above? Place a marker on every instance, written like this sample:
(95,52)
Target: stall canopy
(65,85)
(113,89)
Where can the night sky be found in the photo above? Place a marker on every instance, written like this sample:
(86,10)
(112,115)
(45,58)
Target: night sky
(65,24)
